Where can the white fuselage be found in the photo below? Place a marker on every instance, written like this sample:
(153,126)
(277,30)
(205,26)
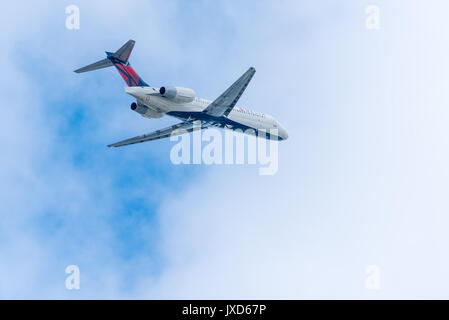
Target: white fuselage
(238,118)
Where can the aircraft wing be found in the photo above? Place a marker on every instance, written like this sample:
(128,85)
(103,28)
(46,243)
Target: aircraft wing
(175,130)
(95,66)
(223,105)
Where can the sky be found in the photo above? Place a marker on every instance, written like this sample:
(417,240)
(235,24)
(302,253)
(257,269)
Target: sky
(362,179)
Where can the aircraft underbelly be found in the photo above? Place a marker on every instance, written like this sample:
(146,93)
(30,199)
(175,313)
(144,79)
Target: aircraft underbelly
(165,105)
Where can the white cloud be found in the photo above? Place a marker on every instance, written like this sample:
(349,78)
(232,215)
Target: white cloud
(361,181)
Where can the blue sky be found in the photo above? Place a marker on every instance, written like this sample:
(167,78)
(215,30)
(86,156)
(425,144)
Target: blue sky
(362,179)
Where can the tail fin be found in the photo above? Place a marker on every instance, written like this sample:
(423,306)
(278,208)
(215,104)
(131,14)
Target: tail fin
(119,59)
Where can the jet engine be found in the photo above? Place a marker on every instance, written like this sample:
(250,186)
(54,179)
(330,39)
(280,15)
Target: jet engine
(178,94)
(145,111)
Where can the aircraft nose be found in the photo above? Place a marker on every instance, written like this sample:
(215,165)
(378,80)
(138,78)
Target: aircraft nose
(283,132)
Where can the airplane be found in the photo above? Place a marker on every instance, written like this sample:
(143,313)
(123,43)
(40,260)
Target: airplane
(182,103)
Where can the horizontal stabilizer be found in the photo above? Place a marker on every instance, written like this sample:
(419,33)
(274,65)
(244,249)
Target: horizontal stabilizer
(96,65)
(119,59)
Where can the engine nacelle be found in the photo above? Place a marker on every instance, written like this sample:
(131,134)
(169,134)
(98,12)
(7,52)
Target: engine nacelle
(145,111)
(178,94)
(139,108)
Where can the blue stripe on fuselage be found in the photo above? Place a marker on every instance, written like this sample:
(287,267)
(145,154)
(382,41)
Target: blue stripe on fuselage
(221,121)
